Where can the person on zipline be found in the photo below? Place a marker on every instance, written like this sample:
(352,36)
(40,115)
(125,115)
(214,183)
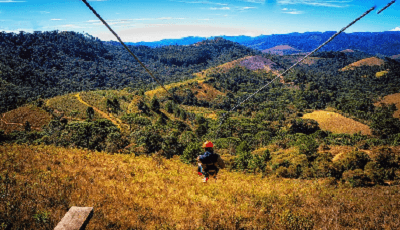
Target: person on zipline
(210,162)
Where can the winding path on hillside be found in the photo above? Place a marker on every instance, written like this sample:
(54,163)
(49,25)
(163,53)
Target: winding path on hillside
(115,121)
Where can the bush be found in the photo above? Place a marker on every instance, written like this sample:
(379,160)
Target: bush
(324,167)
(306,126)
(353,160)
(374,172)
(356,178)
(191,152)
(307,146)
(282,172)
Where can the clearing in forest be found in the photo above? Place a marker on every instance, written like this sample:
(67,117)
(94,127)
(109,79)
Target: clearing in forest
(337,123)
(392,99)
(14,120)
(372,61)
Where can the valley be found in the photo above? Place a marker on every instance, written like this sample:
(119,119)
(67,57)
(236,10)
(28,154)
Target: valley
(319,148)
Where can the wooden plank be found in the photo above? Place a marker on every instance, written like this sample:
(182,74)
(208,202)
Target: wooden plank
(75,219)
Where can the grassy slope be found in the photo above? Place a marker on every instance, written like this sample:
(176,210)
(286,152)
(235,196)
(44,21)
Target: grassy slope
(392,99)
(337,123)
(372,61)
(14,120)
(154,193)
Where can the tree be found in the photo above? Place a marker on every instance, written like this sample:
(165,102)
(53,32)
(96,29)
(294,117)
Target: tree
(27,126)
(155,104)
(90,113)
(383,123)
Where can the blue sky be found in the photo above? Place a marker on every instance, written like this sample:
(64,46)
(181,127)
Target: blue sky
(150,20)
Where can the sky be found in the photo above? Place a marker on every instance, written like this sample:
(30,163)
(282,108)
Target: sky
(150,20)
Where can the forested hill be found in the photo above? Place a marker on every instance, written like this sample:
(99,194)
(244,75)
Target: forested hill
(377,43)
(46,64)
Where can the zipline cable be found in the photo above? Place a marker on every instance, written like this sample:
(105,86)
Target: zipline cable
(387,6)
(126,47)
(286,71)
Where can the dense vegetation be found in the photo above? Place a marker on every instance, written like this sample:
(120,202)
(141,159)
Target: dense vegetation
(46,64)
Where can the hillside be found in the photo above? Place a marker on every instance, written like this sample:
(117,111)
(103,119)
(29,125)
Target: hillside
(396,57)
(123,190)
(373,61)
(48,64)
(376,43)
(392,99)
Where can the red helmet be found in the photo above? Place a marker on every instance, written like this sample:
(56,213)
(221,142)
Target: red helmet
(208,144)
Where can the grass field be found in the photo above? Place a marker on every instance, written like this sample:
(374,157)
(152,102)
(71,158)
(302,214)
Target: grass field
(14,120)
(70,106)
(337,123)
(40,183)
(372,61)
(392,99)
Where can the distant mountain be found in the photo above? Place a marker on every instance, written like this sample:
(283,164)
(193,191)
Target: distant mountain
(281,50)
(396,57)
(376,43)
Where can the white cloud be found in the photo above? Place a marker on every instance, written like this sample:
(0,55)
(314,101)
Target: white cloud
(55,19)
(9,1)
(71,26)
(247,8)
(18,30)
(293,12)
(44,12)
(167,31)
(396,29)
(201,2)
(220,8)
(255,1)
(325,3)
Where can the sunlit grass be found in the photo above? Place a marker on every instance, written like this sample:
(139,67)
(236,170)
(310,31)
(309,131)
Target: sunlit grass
(392,99)
(155,193)
(337,123)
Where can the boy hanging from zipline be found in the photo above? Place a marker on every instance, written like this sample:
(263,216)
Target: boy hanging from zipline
(209,163)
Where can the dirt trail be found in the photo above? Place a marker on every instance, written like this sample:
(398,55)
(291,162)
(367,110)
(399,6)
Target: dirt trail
(5,122)
(114,120)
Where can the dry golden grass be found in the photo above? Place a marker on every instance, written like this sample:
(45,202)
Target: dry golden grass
(109,117)
(206,112)
(337,123)
(39,184)
(14,120)
(392,99)
(381,73)
(159,92)
(372,61)
(69,103)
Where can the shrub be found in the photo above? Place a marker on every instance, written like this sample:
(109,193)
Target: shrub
(374,173)
(324,167)
(356,178)
(307,146)
(282,172)
(191,152)
(296,221)
(306,126)
(353,160)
